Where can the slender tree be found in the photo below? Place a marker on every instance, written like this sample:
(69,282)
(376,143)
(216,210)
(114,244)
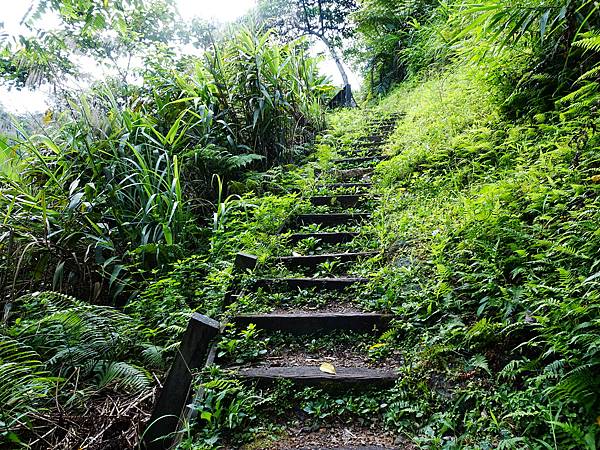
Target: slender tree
(327,20)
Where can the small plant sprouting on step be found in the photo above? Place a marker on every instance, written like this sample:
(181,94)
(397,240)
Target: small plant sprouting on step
(242,346)
(382,349)
(308,245)
(328,267)
(226,411)
(379,351)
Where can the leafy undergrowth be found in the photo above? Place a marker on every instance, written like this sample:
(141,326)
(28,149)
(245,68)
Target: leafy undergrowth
(491,242)
(499,311)
(488,232)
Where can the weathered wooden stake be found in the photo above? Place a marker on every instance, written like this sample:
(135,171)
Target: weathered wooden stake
(174,397)
(245,261)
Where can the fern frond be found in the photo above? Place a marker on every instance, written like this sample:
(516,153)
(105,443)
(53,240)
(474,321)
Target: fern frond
(593,72)
(590,42)
(479,362)
(583,92)
(581,384)
(221,384)
(124,375)
(153,355)
(23,381)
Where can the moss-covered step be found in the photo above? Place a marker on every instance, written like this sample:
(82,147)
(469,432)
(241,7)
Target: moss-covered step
(357,175)
(348,186)
(360,159)
(328,219)
(332,237)
(337,284)
(305,323)
(315,260)
(343,200)
(312,375)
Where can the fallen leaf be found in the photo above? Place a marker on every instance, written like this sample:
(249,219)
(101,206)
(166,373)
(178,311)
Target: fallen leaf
(596,179)
(296,254)
(327,368)
(380,344)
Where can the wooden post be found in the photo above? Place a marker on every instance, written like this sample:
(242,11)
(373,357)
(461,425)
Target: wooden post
(245,261)
(174,397)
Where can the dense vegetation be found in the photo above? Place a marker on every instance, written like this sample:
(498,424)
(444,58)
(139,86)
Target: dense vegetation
(123,213)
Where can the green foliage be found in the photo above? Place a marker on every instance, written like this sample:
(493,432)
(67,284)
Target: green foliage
(227,410)
(23,384)
(533,41)
(110,32)
(109,189)
(488,214)
(489,227)
(396,40)
(499,216)
(243,345)
(56,350)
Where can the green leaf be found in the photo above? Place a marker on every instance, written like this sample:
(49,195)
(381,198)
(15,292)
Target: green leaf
(115,273)
(57,279)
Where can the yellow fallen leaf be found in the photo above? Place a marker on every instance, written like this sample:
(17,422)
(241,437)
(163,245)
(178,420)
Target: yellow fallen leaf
(380,344)
(327,368)
(595,178)
(598,420)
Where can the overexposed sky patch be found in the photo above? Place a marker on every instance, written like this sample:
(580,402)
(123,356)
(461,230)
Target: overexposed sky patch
(12,11)
(217,10)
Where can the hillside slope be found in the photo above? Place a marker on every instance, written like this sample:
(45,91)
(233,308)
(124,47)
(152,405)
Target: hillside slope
(488,240)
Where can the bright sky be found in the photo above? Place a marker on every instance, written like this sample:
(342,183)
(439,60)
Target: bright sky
(219,10)
(12,11)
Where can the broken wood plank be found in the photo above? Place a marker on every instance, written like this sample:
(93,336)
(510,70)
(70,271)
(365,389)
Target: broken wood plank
(337,284)
(303,323)
(334,237)
(314,260)
(331,218)
(310,375)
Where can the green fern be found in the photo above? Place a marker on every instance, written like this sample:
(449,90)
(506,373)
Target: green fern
(479,362)
(591,41)
(581,385)
(96,341)
(221,384)
(122,375)
(23,382)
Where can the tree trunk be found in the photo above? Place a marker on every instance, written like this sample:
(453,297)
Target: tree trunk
(336,58)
